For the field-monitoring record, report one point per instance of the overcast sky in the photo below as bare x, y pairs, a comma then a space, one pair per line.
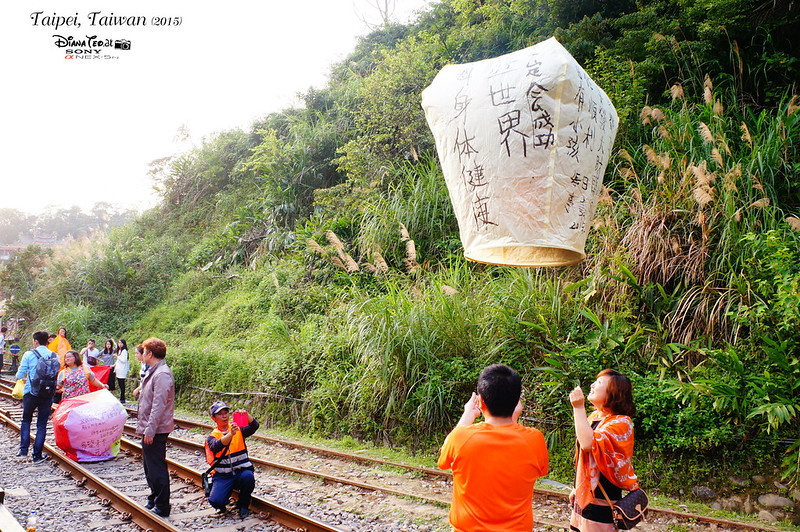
82, 129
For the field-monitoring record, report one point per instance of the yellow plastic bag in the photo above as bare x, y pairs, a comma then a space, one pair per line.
19, 389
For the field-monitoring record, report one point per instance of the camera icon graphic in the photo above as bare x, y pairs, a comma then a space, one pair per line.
122, 44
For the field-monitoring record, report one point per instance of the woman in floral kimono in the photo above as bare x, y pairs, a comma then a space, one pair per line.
603, 452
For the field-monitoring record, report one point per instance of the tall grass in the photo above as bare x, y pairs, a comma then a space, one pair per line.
707, 176
417, 200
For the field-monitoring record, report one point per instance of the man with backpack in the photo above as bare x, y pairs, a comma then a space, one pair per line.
39, 367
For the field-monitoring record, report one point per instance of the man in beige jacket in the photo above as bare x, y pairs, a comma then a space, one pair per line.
156, 407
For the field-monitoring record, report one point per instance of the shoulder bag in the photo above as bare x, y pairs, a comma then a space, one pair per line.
207, 478
629, 510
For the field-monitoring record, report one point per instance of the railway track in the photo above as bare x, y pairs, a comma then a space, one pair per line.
120, 485
425, 485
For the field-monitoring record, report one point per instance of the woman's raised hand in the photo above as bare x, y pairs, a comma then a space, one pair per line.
576, 397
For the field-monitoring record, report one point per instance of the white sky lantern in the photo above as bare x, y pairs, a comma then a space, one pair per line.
523, 140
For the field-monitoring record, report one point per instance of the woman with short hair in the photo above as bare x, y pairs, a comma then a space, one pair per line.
603, 452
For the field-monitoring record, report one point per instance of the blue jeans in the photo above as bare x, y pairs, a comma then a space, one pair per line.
223, 485
29, 404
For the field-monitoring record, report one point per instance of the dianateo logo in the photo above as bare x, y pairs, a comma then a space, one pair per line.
91, 47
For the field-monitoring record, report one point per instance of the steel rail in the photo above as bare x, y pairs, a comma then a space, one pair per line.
191, 446
129, 508
189, 424
673, 513
269, 510
132, 510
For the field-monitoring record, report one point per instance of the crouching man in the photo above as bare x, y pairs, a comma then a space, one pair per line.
225, 446
495, 463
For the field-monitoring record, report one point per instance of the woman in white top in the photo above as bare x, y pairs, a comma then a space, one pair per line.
122, 366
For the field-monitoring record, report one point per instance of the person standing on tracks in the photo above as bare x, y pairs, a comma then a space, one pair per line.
155, 422
3, 331
121, 367
138, 352
74, 379
61, 345
234, 469
38, 394
495, 463
108, 357
90, 353
604, 451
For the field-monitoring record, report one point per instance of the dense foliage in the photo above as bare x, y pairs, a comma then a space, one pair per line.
316, 256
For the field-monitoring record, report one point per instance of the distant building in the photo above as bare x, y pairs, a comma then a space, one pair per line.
46, 241
6, 252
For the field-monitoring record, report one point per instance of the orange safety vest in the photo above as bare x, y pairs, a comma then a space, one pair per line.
237, 445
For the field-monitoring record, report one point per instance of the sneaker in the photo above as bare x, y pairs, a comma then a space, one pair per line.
244, 512
22, 454
221, 511
159, 512
149, 505
41, 458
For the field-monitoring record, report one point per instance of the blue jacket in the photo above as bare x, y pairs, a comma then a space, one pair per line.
27, 366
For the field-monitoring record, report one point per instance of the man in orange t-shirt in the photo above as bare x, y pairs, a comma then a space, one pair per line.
495, 463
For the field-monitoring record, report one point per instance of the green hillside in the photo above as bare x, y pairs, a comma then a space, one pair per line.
279, 261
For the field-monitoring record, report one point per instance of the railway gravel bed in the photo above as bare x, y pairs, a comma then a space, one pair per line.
73, 509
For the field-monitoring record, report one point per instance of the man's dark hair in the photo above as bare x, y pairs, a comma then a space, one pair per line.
500, 387
41, 337
3, 330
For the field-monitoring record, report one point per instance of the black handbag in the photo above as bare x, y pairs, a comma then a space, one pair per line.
629, 510
207, 480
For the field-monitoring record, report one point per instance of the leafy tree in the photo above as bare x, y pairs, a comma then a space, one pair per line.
12, 224
20, 280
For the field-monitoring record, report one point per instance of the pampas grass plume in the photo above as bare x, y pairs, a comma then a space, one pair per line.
404, 233
314, 246
380, 263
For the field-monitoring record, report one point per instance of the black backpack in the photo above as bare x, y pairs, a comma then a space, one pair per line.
43, 380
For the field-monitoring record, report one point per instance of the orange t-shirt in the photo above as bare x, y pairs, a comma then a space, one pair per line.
494, 470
